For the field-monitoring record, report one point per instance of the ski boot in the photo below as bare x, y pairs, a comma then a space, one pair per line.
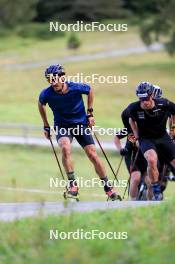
112, 195
157, 194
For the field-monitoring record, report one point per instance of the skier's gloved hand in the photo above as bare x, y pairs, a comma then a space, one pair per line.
123, 151
47, 132
131, 138
91, 120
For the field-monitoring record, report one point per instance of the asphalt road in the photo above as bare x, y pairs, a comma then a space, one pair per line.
15, 211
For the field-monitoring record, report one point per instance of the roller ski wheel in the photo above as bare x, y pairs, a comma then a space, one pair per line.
142, 193
158, 197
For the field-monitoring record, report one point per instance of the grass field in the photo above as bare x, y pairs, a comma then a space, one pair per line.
19, 95
15, 49
20, 88
25, 167
150, 238
150, 229
31, 167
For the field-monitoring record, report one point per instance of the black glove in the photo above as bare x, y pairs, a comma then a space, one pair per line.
47, 129
123, 151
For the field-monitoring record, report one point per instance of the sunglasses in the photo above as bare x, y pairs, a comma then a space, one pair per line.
51, 75
144, 99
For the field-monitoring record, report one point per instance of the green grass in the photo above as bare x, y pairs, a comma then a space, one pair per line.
15, 49
32, 167
150, 230
20, 90
19, 94
150, 238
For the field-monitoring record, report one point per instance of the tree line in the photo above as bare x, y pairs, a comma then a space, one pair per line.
155, 17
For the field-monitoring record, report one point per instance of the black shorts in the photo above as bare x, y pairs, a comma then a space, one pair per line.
140, 164
164, 147
82, 133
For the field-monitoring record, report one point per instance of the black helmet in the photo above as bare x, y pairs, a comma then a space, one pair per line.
144, 90
157, 93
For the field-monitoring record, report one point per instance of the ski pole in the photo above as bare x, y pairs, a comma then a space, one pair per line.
56, 157
120, 163
59, 166
117, 172
110, 166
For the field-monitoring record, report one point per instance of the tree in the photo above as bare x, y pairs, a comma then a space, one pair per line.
91, 10
158, 24
141, 8
15, 12
73, 41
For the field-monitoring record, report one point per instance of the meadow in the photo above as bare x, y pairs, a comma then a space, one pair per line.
149, 238
31, 167
27, 167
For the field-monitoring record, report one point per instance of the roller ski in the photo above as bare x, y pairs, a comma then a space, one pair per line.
71, 193
112, 195
157, 194
142, 192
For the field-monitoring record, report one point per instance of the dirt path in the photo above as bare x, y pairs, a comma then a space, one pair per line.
85, 57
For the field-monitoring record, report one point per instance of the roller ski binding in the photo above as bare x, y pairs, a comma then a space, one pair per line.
71, 193
113, 196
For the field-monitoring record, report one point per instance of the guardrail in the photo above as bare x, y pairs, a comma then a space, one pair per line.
25, 134
21, 129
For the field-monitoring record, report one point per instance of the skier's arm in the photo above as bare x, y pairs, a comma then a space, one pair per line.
42, 110
172, 126
90, 101
134, 128
171, 109
90, 98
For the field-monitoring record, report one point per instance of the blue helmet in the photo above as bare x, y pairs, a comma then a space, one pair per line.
144, 90
54, 69
157, 93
